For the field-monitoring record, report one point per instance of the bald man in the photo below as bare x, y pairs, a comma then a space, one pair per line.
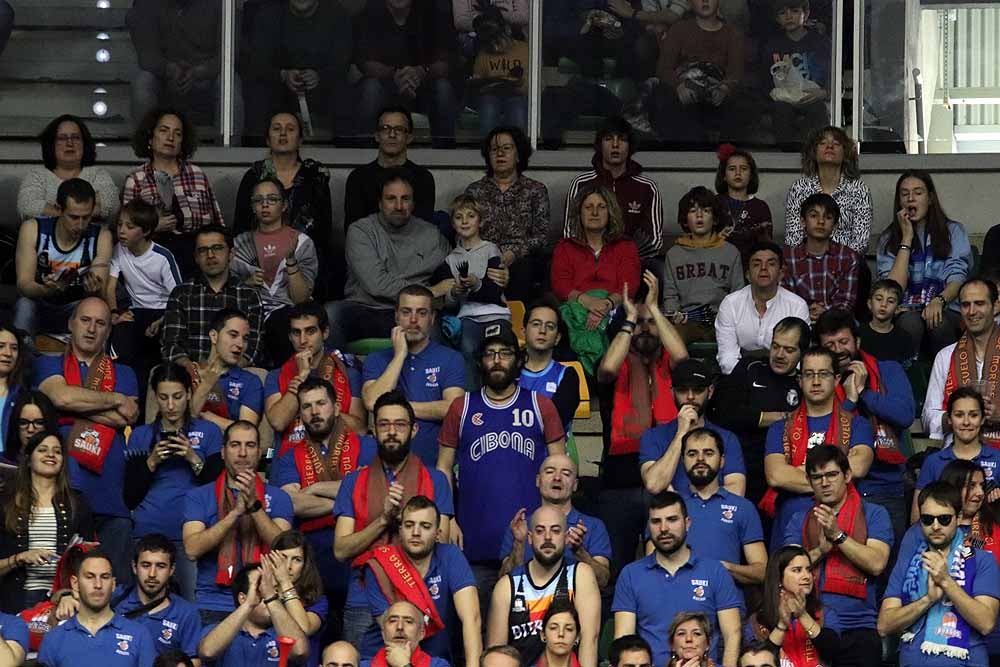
96, 398
340, 654
402, 630
516, 619
586, 536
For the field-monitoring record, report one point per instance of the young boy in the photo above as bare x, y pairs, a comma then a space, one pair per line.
150, 273
796, 113
479, 299
880, 337
701, 269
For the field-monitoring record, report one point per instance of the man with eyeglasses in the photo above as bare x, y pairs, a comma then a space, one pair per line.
499, 437
194, 303
848, 541
362, 192
368, 508
820, 419
942, 596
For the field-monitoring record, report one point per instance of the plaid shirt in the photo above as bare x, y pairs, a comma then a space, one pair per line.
830, 279
190, 310
193, 195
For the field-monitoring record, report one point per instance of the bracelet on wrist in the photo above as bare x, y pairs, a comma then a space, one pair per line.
269, 600
903, 246
781, 629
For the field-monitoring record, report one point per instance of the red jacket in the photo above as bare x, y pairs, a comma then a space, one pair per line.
574, 267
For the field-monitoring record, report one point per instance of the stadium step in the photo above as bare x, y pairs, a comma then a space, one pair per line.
25, 108
75, 55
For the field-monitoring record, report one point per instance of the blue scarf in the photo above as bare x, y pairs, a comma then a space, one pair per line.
945, 631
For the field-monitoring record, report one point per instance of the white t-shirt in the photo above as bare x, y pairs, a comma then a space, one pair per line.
149, 278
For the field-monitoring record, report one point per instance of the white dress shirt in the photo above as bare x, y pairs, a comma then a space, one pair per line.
933, 412
739, 326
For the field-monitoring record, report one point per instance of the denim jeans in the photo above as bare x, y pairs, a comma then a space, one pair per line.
495, 110
148, 91
357, 622
39, 316
435, 97
624, 513
115, 536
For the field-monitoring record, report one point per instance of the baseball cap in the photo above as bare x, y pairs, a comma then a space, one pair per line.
694, 374
499, 333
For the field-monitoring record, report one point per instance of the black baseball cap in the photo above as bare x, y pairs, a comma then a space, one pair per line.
499, 333
694, 374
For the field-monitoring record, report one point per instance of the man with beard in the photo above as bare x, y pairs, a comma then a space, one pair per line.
429, 374
848, 541
881, 392
723, 524
673, 578
760, 392
953, 365
635, 395
96, 635
819, 419
941, 581
403, 626
223, 391
519, 604
660, 453
171, 621
367, 509
229, 522
586, 535
312, 470
499, 435
444, 590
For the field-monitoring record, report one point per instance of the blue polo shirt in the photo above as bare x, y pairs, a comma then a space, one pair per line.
344, 506
934, 464
790, 503
987, 582
104, 492
120, 643
160, 510
248, 651
176, 627
321, 607
722, 524
655, 596
596, 541
424, 378
843, 612
449, 572
201, 505
14, 629
655, 441
241, 387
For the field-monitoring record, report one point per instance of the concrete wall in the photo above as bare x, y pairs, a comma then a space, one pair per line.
967, 183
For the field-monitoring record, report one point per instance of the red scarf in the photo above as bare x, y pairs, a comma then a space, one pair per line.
642, 400
978, 539
961, 373
418, 659
886, 439
399, 580
331, 369
215, 401
795, 441
842, 577
89, 442
370, 491
341, 459
796, 648
241, 545
573, 660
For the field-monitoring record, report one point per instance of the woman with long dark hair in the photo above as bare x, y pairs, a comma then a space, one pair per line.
39, 517
31, 412
980, 514
300, 586
930, 256
791, 615
11, 383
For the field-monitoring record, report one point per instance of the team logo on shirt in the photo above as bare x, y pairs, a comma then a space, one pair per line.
272, 651
123, 643
728, 512
194, 437
434, 590
698, 593
166, 634
432, 376
267, 502
988, 467
234, 389
551, 387
477, 419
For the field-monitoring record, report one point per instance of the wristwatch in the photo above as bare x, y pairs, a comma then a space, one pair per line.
256, 507
839, 539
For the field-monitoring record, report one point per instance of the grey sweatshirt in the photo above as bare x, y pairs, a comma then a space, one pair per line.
383, 259
700, 276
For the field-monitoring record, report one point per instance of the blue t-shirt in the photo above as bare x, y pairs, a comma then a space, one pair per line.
987, 582
176, 627
248, 651
239, 388
120, 643
790, 503
935, 462
104, 492
655, 596
843, 612
160, 510
344, 506
448, 573
424, 378
596, 541
321, 607
656, 440
14, 629
201, 505
722, 525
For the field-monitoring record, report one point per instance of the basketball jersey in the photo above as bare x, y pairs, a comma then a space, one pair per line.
500, 450
64, 264
545, 381
528, 605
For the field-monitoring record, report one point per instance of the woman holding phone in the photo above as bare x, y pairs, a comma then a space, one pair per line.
165, 459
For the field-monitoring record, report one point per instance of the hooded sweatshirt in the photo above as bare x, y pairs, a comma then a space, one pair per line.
700, 274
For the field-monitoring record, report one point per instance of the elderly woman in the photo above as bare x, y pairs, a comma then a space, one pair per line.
515, 210
68, 151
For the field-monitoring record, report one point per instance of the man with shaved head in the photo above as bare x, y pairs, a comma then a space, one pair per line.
586, 536
402, 629
518, 606
340, 654
96, 399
